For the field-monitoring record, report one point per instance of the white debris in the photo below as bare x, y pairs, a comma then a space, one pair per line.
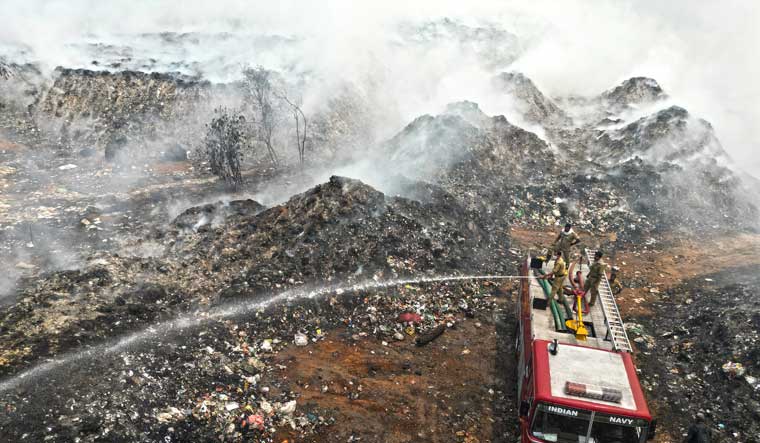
266, 407
301, 339
288, 408
67, 167
170, 414
24, 265
734, 369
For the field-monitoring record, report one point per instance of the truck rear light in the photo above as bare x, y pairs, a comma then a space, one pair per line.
594, 392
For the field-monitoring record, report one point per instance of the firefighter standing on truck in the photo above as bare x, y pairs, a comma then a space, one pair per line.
594, 277
557, 276
566, 239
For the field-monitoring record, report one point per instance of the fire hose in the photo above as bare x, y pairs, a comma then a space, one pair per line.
559, 319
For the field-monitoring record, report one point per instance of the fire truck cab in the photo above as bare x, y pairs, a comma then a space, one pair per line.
572, 387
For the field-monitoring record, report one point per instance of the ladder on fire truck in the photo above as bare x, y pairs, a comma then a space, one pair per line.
615, 327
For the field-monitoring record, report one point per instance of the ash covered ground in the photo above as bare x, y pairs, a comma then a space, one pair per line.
144, 299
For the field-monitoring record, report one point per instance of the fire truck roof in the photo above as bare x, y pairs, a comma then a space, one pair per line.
611, 373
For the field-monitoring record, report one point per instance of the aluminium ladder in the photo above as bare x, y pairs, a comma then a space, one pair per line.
615, 327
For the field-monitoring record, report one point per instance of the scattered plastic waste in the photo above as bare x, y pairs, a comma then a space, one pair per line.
301, 339
733, 369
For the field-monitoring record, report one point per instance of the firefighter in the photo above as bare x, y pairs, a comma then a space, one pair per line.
594, 277
566, 239
557, 276
698, 431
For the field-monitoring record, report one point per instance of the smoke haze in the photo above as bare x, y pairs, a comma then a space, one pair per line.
703, 53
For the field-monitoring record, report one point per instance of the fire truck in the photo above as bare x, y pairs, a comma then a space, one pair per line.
576, 379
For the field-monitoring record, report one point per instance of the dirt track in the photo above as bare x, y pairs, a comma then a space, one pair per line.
460, 387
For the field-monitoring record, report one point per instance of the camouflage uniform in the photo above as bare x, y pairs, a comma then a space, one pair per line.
594, 277
559, 272
565, 242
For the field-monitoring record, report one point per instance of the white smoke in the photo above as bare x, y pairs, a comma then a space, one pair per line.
702, 52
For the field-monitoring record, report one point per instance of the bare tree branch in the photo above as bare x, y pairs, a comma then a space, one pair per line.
259, 86
300, 120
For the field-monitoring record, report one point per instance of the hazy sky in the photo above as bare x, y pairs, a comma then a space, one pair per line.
703, 53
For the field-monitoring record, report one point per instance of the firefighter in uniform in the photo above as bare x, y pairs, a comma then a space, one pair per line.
566, 239
594, 277
557, 276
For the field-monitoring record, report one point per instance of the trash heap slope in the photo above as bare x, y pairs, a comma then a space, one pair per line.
674, 168
465, 147
341, 231
89, 109
633, 92
663, 171
535, 107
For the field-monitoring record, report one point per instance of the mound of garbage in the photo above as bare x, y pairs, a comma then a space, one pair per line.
342, 230
685, 172
198, 328
664, 171
487, 44
463, 148
635, 91
534, 106
88, 109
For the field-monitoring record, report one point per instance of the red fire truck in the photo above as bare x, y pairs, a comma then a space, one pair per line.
577, 381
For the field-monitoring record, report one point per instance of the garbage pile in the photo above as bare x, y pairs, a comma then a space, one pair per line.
212, 214
638, 177
511, 176
341, 231
700, 353
490, 45
96, 109
463, 147
531, 102
633, 92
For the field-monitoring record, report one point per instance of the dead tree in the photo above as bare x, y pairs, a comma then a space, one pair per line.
259, 87
225, 141
300, 120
